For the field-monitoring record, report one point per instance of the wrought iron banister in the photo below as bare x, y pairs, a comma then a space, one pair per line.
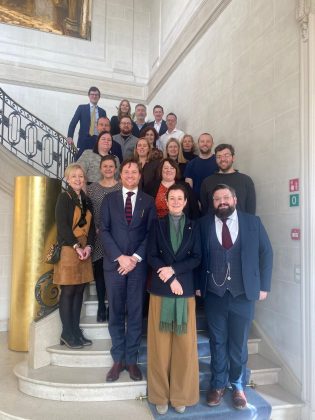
32, 140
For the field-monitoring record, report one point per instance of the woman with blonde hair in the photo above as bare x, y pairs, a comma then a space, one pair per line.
76, 233
188, 147
174, 152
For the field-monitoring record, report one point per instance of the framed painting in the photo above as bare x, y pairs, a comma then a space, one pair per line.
62, 17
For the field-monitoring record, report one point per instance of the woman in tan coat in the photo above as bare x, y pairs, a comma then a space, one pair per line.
75, 232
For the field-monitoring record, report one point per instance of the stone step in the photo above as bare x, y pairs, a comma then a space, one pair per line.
94, 330
97, 355
76, 384
90, 305
92, 289
262, 371
284, 405
203, 346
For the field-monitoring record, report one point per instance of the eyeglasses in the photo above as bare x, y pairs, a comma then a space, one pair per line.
224, 198
169, 168
225, 156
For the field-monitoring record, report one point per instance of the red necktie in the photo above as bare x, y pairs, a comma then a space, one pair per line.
226, 236
128, 207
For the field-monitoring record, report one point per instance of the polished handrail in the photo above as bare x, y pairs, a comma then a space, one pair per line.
32, 140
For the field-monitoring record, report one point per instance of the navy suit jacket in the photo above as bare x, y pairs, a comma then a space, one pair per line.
135, 130
163, 127
119, 238
183, 262
256, 254
83, 114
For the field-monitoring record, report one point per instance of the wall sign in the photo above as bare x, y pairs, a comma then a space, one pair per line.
294, 200
295, 234
294, 185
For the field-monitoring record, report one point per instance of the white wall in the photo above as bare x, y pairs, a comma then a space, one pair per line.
240, 82
118, 51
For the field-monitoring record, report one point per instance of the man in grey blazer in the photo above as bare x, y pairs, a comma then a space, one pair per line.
125, 221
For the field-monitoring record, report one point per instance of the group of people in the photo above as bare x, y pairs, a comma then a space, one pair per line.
147, 224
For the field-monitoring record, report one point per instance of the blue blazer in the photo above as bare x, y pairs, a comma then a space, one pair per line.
256, 254
83, 114
163, 128
183, 262
116, 235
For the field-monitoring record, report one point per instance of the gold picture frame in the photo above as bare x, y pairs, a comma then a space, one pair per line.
61, 17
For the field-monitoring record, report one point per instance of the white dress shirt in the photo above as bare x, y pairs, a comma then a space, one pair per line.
96, 117
176, 134
133, 197
232, 224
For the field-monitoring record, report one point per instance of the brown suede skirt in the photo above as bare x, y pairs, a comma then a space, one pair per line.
70, 269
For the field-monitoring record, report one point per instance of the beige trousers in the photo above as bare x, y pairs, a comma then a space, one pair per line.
173, 370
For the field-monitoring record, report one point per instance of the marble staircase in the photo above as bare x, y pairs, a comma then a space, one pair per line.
79, 375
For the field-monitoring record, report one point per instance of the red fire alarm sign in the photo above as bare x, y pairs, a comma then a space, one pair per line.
295, 234
294, 184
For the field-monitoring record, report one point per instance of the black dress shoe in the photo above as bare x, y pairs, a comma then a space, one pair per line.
114, 372
70, 341
83, 340
134, 372
101, 316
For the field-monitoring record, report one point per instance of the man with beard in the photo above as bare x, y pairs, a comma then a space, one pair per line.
202, 166
243, 184
125, 138
235, 271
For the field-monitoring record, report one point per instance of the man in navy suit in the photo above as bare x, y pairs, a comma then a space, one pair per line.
159, 124
235, 272
88, 116
126, 217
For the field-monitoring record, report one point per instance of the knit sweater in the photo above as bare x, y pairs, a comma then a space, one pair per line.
243, 185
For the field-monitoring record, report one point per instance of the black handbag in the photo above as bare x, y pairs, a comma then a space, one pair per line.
53, 254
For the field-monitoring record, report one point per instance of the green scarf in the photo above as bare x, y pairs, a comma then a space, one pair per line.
173, 316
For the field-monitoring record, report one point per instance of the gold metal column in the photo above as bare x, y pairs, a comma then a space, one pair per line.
33, 231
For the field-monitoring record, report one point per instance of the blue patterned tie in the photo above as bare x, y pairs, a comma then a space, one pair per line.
128, 207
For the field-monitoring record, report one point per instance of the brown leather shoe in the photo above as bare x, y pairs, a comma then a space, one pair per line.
239, 400
134, 372
114, 372
214, 396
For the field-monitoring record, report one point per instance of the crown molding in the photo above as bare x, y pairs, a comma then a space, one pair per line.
69, 82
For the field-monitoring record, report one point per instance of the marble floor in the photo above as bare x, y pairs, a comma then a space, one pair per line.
16, 405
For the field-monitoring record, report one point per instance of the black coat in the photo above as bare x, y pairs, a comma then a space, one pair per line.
161, 254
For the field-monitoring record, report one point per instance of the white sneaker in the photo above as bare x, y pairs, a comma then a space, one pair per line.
162, 409
180, 409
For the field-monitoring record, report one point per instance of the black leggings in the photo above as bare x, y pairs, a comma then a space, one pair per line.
70, 304
100, 284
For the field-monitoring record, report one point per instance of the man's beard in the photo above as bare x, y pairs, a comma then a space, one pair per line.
224, 212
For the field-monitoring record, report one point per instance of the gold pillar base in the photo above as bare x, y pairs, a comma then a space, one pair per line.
33, 231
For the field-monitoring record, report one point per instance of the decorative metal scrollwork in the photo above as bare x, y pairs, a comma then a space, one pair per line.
46, 294
32, 140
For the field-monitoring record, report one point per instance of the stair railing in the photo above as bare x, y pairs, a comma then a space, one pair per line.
32, 140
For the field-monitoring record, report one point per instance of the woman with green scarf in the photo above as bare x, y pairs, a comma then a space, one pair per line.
173, 252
